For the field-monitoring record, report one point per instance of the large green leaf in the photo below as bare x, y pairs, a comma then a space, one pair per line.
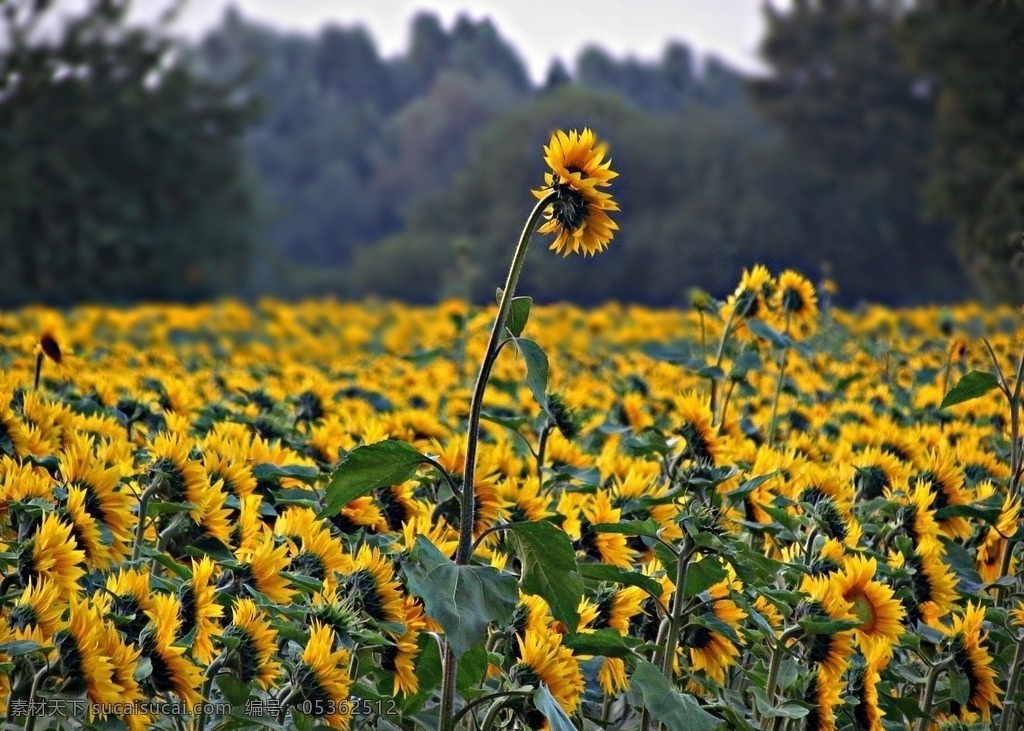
549, 568
703, 574
462, 599
518, 315
366, 468
677, 711
605, 642
606, 572
971, 386
536, 371
553, 712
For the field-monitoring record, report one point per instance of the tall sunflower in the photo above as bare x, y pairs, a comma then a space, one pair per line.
931, 582
973, 659
578, 216
879, 612
172, 671
199, 610
261, 570
373, 588
53, 554
253, 660
796, 302
830, 652
543, 659
321, 675
823, 694
37, 613
83, 666
713, 652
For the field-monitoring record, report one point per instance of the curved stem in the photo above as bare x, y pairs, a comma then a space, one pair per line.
456, 490
778, 387
718, 359
140, 529
211, 672
37, 679
286, 702
776, 662
1009, 700
490, 696
929, 693
542, 444
467, 510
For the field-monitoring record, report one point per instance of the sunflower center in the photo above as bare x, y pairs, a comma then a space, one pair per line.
871, 481
747, 304
865, 612
792, 300
22, 616
48, 344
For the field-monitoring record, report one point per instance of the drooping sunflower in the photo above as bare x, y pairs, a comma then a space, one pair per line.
973, 659
752, 297
53, 554
124, 657
830, 652
36, 615
578, 216
582, 513
319, 554
128, 595
823, 693
199, 610
253, 660
262, 567
946, 482
399, 658
873, 603
994, 543
932, 582
83, 666
693, 423
321, 675
712, 652
372, 586
543, 659
916, 515
172, 671
85, 529
867, 716
186, 480
877, 471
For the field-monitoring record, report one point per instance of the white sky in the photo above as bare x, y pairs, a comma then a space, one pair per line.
539, 29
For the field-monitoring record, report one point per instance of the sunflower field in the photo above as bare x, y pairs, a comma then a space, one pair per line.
763, 513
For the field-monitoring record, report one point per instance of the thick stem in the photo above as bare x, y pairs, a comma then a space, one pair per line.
1009, 700
776, 663
542, 444
39, 369
289, 696
140, 529
718, 360
676, 617
37, 679
467, 508
211, 673
929, 694
1015, 451
778, 387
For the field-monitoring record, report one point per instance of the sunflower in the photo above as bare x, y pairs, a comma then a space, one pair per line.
83, 666
185, 480
125, 660
994, 543
199, 611
321, 675
867, 716
399, 658
823, 695
830, 652
796, 301
712, 652
752, 297
52, 553
37, 613
578, 215
320, 555
946, 482
253, 659
129, 597
543, 659
85, 529
916, 515
880, 614
362, 512
261, 570
372, 586
877, 471
582, 513
972, 659
172, 671
693, 423
932, 584
397, 504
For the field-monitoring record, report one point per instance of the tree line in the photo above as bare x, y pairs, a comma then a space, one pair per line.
882, 150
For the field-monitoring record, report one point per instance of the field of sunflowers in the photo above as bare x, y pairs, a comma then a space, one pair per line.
763, 513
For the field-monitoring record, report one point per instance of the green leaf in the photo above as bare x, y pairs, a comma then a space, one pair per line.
462, 599
207, 546
606, 572
971, 386
959, 686
472, 667
766, 332
158, 507
236, 693
518, 315
630, 528
15, 648
536, 371
677, 711
270, 471
549, 568
703, 574
167, 562
366, 468
816, 626
605, 642
553, 712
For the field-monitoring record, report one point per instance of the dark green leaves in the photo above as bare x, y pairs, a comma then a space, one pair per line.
971, 386
677, 711
536, 370
549, 568
553, 712
462, 599
518, 314
366, 468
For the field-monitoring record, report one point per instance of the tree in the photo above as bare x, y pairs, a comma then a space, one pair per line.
860, 121
972, 52
121, 170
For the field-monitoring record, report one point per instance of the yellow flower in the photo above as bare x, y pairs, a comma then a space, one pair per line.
199, 610
83, 666
879, 612
796, 302
53, 554
253, 660
578, 216
973, 659
172, 671
543, 659
321, 675
37, 613
823, 693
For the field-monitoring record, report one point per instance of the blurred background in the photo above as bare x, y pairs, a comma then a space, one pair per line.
183, 151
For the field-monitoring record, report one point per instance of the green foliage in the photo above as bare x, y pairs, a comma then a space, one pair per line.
549, 568
121, 169
971, 386
366, 468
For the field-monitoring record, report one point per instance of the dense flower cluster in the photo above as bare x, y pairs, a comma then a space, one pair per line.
168, 533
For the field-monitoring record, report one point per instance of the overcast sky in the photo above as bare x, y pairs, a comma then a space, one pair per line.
540, 29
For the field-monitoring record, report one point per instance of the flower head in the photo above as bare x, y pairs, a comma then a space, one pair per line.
578, 215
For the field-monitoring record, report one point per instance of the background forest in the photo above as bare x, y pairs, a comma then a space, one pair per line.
883, 150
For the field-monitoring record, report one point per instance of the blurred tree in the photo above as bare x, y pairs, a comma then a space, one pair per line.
860, 122
972, 52
121, 170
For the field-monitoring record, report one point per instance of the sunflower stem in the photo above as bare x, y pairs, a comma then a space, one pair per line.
140, 529
37, 680
211, 673
1004, 569
776, 663
39, 370
467, 513
678, 601
287, 701
929, 693
1010, 699
542, 444
778, 387
718, 359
